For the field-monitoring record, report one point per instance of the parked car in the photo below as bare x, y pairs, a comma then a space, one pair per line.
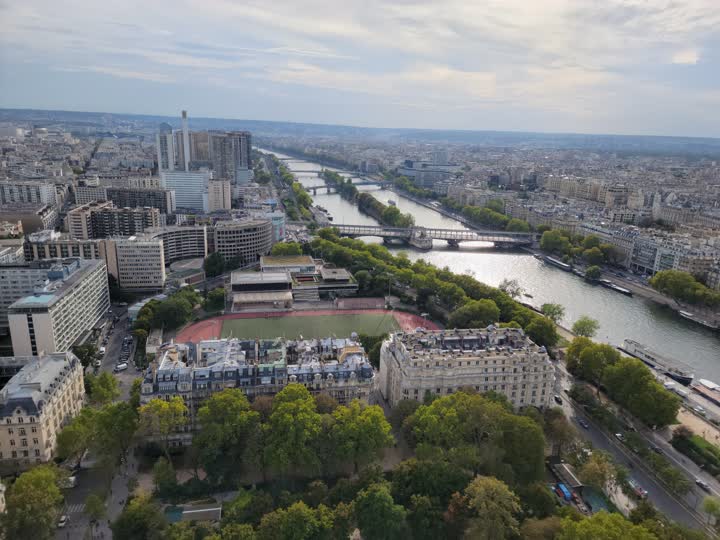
557, 399
102, 350
97, 363
583, 423
699, 410
63, 521
69, 482
120, 367
656, 449
620, 437
703, 484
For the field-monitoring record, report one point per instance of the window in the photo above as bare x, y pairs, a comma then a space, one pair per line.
24, 442
14, 454
12, 442
37, 452
35, 441
11, 431
22, 432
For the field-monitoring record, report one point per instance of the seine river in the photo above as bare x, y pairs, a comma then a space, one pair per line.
620, 316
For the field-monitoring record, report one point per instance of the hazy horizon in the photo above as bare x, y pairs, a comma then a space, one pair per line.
623, 67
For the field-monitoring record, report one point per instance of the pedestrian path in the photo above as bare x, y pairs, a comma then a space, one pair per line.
74, 508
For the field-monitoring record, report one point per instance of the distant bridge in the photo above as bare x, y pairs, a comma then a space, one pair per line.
330, 188
422, 237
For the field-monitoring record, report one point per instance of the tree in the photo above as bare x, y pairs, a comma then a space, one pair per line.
593, 273
511, 287
86, 353
541, 529
603, 526
542, 331
76, 437
325, 403
593, 256
517, 225
594, 359
104, 388
585, 326
141, 519
425, 518
33, 503
493, 509
95, 507
172, 313
286, 249
597, 471
228, 436
537, 500
572, 354
292, 430
114, 430
474, 314
711, 506
558, 429
160, 419
135, 390
164, 477
590, 242
643, 511
554, 241
378, 517
297, 522
214, 264
554, 312
215, 300
237, 531
360, 432
436, 479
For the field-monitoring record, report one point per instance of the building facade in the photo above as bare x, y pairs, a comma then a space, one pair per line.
138, 263
15, 191
441, 362
219, 195
162, 199
57, 316
247, 239
35, 404
103, 220
165, 143
190, 187
230, 154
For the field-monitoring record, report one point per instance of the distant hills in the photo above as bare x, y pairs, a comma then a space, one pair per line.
625, 144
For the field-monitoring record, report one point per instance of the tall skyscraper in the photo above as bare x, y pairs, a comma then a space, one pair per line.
185, 141
165, 142
230, 155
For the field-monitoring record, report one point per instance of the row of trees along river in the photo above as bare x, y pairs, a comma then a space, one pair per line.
620, 317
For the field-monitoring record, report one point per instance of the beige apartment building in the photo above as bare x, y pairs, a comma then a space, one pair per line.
441, 362
35, 404
219, 195
138, 263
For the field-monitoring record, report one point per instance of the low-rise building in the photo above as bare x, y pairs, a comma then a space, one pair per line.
42, 397
260, 290
503, 360
55, 317
337, 367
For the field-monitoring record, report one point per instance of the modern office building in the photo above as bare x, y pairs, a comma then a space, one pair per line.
219, 195
103, 220
190, 187
338, 367
54, 318
87, 194
247, 239
230, 154
45, 394
503, 360
137, 262
165, 142
199, 146
27, 192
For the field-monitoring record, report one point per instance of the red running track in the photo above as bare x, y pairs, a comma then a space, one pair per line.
212, 328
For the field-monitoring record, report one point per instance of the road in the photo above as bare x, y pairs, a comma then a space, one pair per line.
95, 480
667, 503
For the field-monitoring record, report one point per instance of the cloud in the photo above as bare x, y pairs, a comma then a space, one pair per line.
116, 72
686, 56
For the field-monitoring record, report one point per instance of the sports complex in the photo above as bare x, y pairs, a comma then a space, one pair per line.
308, 324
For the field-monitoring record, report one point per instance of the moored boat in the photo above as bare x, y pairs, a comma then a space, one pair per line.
672, 368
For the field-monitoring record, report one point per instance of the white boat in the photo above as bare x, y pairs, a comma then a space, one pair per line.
668, 367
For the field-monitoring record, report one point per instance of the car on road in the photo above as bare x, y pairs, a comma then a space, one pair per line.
620, 437
703, 484
557, 399
63, 521
97, 363
637, 489
120, 367
656, 449
699, 410
69, 482
583, 423
102, 350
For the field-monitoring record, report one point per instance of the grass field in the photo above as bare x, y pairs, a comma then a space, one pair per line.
310, 326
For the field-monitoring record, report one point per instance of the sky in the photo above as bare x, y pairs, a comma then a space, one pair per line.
585, 66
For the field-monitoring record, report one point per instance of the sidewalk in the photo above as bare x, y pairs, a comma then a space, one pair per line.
117, 497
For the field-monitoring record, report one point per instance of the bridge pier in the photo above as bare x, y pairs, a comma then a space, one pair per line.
454, 244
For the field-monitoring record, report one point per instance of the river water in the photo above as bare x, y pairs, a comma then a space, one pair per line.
620, 316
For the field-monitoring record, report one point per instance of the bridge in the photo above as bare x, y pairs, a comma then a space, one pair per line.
422, 237
331, 188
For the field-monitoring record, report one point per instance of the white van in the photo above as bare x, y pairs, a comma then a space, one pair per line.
120, 367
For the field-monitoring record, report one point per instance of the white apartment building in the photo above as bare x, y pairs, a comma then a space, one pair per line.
54, 318
191, 188
219, 195
138, 263
26, 192
441, 362
42, 397
16, 281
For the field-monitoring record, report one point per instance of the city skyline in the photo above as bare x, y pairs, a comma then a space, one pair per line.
568, 67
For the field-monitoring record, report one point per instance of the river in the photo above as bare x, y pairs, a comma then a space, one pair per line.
619, 316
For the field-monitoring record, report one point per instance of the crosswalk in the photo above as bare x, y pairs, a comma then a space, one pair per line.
74, 508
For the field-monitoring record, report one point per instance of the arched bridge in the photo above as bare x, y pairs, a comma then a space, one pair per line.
422, 237
331, 188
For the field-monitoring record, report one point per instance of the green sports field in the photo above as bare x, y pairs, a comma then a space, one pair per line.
310, 326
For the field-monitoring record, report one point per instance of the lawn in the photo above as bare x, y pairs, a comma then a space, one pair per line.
310, 326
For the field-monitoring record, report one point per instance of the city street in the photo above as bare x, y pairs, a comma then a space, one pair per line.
667, 503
